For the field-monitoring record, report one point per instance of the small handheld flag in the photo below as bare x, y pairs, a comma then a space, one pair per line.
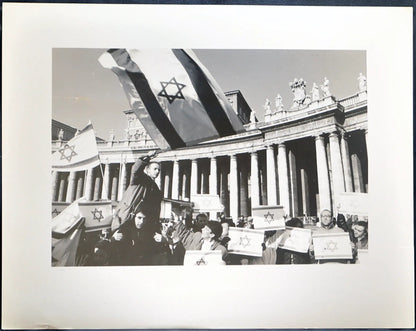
245, 241
332, 246
79, 153
173, 95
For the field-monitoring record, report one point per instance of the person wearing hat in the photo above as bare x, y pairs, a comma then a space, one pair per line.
208, 239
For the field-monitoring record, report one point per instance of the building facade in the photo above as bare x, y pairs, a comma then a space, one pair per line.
301, 159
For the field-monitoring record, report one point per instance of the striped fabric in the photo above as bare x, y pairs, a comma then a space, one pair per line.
173, 95
245, 241
79, 153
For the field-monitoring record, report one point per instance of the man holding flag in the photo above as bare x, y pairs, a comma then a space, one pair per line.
142, 193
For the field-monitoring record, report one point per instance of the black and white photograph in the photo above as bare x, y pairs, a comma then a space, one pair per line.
207, 166
178, 165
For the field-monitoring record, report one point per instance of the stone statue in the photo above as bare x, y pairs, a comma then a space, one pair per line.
61, 134
267, 107
315, 92
298, 87
325, 88
279, 103
362, 82
112, 136
253, 117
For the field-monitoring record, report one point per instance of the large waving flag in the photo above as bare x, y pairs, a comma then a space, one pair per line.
79, 153
64, 249
183, 105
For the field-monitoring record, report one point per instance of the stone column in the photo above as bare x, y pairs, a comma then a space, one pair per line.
80, 186
89, 183
271, 176
213, 176
357, 173
244, 191
254, 179
158, 179
55, 184
122, 181
366, 138
194, 177
97, 188
175, 180
337, 172
70, 193
224, 189
346, 163
305, 192
114, 184
183, 186
293, 184
233, 188
61, 194
166, 190
283, 178
106, 182
323, 176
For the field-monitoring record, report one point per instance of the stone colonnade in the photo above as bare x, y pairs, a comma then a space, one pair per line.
272, 175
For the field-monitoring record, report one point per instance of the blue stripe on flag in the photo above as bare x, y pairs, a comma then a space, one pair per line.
205, 93
152, 105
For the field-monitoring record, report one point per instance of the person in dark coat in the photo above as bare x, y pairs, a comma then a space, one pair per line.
142, 193
133, 242
284, 256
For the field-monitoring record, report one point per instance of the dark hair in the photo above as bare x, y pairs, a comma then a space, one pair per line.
216, 228
295, 222
362, 223
228, 220
200, 221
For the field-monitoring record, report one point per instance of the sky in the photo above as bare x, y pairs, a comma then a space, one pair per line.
83, 90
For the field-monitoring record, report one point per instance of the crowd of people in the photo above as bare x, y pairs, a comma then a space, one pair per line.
138, 237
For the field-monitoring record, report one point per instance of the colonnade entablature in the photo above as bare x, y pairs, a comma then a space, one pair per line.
302, 162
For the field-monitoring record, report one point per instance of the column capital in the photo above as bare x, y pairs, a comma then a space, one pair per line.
319, 137
334, 134
282, 145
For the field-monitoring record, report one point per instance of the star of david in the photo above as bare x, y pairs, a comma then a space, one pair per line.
65, 150
331, 246
268, 217
244, 241
201, 261
97, 214
172, 90
55, 212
